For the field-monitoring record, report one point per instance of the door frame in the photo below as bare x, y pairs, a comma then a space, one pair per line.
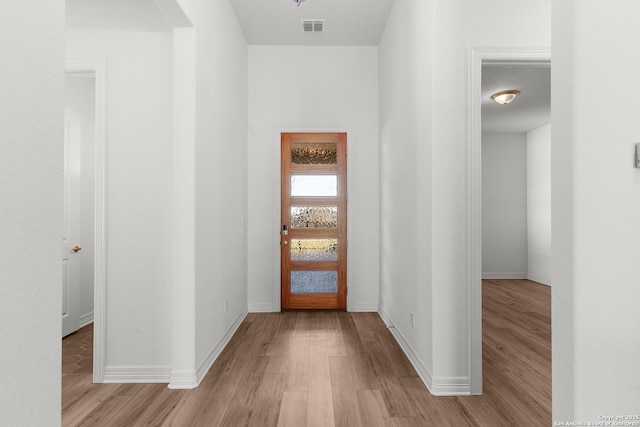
477, 57
98, 66
276, 160
340, 139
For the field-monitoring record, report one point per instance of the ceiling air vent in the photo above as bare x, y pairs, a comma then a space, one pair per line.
313, 25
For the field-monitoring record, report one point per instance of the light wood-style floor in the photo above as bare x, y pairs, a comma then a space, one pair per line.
335, 369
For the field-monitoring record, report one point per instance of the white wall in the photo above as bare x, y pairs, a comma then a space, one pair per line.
504, 205
406, 72
138, 199
461, 24
516, 205
149, 338
539, 204
221, 176
313, 89
80, 97
596, 207
434, 37
31, 153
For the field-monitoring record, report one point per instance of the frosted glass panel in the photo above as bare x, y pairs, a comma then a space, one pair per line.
314, 282
314, 185
314, 153
314, 249
314, 217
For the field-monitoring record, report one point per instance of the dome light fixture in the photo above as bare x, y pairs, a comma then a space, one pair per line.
505, 97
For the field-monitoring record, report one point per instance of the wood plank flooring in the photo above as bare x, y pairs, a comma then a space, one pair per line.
315, 368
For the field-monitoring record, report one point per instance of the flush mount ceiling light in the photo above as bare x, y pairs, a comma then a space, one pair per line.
297, 2
505, 97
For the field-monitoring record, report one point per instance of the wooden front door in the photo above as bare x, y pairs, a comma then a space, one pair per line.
313, 233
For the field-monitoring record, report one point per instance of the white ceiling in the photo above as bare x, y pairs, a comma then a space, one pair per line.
530, 110
361, 22
348, 23
278, 22
125, 15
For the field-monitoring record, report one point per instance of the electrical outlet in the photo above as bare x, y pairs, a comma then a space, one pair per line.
226, 306
413, 320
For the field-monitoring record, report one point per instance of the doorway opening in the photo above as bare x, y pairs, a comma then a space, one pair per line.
313, 234
78, 210
83, 246
479, 59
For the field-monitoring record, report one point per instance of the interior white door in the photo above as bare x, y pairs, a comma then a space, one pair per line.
71, 223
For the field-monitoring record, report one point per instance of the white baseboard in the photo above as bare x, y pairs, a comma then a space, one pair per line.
438, 386
86, 319
363, 308
517, 276
451, 386
189, 379
263, 307
513, 276
183, 380
424, 374
137, 374
539, 279
217, 349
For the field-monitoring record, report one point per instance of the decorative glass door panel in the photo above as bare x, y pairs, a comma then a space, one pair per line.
314, 217
314, 185
314, 220
314, 282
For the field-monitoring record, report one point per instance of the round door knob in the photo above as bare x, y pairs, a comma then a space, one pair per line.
284, 243
76, 249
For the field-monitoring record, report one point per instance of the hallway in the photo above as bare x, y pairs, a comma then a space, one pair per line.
335, 369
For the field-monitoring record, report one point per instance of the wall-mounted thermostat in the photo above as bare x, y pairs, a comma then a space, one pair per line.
638, 155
